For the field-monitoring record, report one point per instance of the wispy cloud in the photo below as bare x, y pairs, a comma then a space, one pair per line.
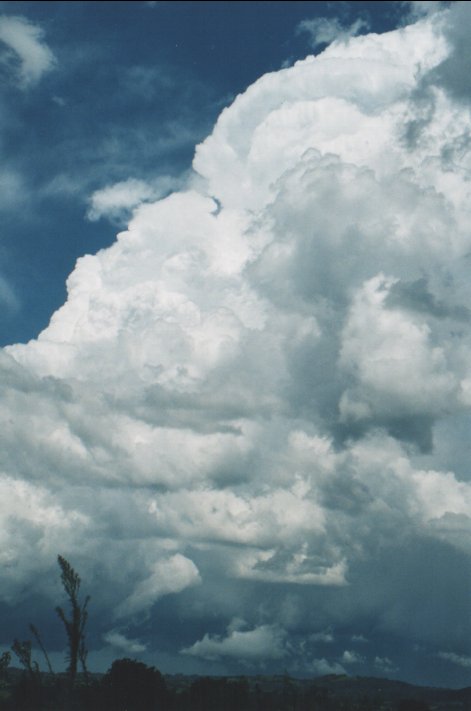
325, 30
26, 49
458, 659
417, 9
117, 201
385, 665
8, 298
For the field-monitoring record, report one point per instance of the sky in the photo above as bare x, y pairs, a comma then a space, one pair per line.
235, 323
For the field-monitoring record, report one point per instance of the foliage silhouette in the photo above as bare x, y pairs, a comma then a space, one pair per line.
132, 686
28, 693
5, 660
23, 652
75, 624
38, 639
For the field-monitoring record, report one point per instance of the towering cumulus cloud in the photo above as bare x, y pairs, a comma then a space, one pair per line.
251, 413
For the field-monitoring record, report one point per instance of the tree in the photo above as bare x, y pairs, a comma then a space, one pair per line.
76, 623
132, 686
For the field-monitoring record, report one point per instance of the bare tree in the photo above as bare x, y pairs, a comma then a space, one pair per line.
38, 639
75, 624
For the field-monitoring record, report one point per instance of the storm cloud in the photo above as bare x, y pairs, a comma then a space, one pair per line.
250, 416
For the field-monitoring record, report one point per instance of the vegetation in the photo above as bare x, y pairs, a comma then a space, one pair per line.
130, 685
37, 691
75, 624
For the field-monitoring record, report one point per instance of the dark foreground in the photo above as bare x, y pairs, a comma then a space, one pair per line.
132, 686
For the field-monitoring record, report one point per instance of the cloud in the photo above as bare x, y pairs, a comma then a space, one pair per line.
116, 202
351, 657
420, 8
392, 356
322, 667
25, 43
325, 636
324, 30
384, 665
12, 189
359, 638
8, 297
460, 660
120, 642
255, 404
167, 576
259, 644
451, 74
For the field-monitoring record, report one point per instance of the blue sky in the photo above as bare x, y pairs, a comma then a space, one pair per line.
131, 91
245, 419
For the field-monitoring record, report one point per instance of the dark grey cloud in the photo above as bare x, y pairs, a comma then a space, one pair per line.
416, 296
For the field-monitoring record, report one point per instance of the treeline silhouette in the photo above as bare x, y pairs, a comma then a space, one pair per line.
130, 685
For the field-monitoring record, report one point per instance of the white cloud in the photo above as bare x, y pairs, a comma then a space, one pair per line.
119, 199
120, 642
351, 657
269, 566
25, 40
324, 30
396, 366
116, 202
167, 576
458, 659
253, 388
323, 667
258, 644
33, 527
420, 8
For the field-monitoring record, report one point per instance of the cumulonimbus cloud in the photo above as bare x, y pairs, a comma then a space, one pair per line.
265, 380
